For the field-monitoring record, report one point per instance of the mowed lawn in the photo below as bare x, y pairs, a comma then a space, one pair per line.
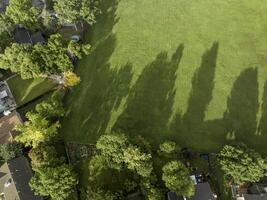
191, 71
25, 91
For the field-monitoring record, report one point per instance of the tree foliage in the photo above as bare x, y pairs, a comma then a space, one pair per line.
76, 11
21, 12
241, 164
36, 130
78, 50
177, 179
71, 79
112, 147
9, 151
40, 60
138, 161
169, 147
45, 157
150, 190
57, 182
97, 194
39, 128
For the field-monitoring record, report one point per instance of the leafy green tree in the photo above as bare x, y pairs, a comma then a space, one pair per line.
19, 59
40, 60
45, 156
150, 190
177, 179
77, 50
97, 194
71, 79
58, 182
50, 108
36, 130
241, 164
112, 148
138, 161
53, 56
22, 12
169, 147
10, 151
76, 11
96, 165
6, 24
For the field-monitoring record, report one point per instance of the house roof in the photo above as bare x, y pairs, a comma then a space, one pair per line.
7, 126
15, 175
173, 196
21, 174
202, 192
255, 196
3, 5
23, 36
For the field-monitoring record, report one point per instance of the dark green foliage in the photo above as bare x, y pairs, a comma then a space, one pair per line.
22, 12
40, 60
58, 182
10, 151
97, 194
177, 179
241, 164
76, 11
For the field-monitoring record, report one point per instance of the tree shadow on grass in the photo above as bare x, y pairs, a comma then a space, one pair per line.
262, 128
150, 101
189, 129
242, 107
101, 88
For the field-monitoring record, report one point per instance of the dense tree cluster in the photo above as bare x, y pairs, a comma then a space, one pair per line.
19, 12
242, 164
177, 179
76, 11
52, 177
134, 156
41, 60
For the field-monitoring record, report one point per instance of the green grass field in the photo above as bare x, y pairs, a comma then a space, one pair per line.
25, 91
191, 71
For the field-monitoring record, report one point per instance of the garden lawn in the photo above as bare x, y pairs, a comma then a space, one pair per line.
191, 71
25, 91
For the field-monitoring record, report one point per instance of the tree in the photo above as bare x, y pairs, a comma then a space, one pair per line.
77, 50
50, 108
112, 147
97, 194
10, 151
177, 179
96, 165
40, 60
36, 130
44, 157
71, 79
6, 24
22, 12
76, 11
57, 182
138, 161
241, 164
19, 59
169, 147
150, 190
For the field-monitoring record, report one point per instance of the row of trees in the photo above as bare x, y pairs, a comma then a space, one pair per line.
241, 164
135, 157
53, 59
52, 177
22, 12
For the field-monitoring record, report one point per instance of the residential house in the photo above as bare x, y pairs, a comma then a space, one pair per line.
15, 175
24, 36
255, 191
